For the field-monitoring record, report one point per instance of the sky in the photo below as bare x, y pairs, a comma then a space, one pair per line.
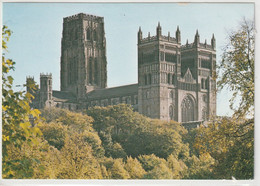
35, 44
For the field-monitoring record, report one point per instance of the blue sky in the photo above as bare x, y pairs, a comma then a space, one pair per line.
35, 44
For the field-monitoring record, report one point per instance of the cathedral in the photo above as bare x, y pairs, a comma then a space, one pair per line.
175, 82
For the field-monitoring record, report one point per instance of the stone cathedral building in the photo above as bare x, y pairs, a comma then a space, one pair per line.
175, 82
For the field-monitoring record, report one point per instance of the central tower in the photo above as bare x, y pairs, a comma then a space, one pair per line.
83, 54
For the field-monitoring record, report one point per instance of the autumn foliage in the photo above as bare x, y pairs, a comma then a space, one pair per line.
114, 142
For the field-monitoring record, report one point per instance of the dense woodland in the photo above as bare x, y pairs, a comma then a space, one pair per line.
115, 142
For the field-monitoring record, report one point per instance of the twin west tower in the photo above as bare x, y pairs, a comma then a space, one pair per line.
175, 82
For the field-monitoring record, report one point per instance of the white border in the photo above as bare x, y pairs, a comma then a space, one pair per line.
255, 182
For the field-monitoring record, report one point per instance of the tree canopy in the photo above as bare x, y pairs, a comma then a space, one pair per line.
114, 142
236, 69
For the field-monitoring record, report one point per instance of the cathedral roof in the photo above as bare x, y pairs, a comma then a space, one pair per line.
63, 96
113, 92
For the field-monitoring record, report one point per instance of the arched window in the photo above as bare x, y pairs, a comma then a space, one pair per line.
90, 71
171, 112
145, 79
96, 72
149, 79
95, 35
187, 109
169, 78
206, 84
202, 84
173, 79
88, 34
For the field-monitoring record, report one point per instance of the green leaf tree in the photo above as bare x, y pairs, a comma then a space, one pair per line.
118, 171
231, 143
19, 121
134, 168
77, 160
236, 68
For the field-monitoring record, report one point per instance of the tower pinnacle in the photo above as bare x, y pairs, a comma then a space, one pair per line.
158, 30
197, 38
213, 42
178, 35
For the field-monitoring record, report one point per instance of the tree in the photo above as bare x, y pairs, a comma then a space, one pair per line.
17, 128
150, 162
77, 160
54, 133
237, 67
137, 134
134, 168
155, 167
177, 167
199, 168
231, 143
63, 122
118, 171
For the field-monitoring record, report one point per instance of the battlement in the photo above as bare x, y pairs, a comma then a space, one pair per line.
47, 75
193, 45
155, 38
159, 36
83, 16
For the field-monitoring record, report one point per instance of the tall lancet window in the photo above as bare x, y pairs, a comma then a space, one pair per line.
88, 34
95, 35
187, 109
90, 71
96, 72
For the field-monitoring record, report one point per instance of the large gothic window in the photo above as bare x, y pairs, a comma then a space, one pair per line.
187, 109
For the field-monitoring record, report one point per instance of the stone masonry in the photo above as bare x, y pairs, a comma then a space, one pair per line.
175, 82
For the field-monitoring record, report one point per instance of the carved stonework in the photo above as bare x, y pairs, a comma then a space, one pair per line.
175, 82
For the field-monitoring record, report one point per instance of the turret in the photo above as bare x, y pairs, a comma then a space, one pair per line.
213, 42
178, 35
158, 30
30, 85
45, 87
140, 35
197, 39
